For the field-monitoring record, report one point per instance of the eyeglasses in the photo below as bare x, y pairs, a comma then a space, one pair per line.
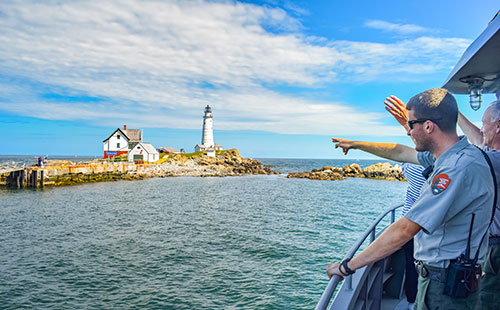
417, 121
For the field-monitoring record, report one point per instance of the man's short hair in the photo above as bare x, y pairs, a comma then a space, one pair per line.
437, 105
494, 110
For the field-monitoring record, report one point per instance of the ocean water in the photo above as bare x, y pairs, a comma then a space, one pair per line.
250, 242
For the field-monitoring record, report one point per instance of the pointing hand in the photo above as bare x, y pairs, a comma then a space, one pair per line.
345, 144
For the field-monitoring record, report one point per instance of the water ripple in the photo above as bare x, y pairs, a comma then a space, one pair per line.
255, 242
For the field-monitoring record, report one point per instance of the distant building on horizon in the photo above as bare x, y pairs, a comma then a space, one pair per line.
207, 139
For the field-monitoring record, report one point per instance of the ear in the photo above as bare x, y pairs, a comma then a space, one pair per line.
429, 127
497, 130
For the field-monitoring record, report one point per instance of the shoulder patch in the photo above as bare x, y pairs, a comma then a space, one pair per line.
440, 183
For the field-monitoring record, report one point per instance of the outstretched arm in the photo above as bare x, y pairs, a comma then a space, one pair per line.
470, 130
392, 151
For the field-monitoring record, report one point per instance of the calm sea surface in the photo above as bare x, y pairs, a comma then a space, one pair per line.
252, 242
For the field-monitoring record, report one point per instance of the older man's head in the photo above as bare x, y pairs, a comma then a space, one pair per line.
491, 126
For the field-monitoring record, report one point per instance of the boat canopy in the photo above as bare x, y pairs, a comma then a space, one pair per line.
480, 64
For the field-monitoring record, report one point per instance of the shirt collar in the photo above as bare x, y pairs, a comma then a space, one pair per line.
457, 147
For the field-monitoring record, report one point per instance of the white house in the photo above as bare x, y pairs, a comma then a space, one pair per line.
120, 141
143, 151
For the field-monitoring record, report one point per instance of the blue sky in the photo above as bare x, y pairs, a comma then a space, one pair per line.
282, 77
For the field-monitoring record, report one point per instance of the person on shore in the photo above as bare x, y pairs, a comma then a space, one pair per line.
457, 185
488, 138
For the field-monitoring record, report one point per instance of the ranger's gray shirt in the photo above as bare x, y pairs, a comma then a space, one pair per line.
460, 184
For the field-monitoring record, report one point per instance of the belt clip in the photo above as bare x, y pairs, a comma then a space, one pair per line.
424, 272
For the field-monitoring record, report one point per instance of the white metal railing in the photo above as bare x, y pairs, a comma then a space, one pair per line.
335, 280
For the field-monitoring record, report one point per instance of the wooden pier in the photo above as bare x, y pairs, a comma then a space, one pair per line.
25, 178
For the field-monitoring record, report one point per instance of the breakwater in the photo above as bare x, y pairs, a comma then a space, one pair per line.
25, 178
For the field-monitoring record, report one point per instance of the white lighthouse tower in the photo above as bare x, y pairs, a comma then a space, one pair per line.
207, 138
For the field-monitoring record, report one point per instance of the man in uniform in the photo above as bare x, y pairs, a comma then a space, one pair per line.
488, 138
457, 187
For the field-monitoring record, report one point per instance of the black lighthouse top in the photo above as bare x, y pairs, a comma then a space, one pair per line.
208, 109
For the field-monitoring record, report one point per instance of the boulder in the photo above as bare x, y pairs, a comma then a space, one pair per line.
353, 170
384, 171
317, 175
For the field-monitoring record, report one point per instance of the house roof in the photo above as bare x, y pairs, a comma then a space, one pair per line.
132, 135
148, 147
168, 149
118, 129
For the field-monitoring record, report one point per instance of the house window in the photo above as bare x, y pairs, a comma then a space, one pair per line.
118, 137
118, 145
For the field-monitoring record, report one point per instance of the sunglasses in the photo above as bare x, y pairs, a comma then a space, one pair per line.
417, 121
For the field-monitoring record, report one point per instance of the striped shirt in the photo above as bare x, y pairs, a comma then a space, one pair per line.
413, 174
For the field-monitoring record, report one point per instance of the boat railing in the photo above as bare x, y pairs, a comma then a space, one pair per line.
369, 233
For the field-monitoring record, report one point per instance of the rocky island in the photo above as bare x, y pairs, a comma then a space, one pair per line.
378, 171
60, 173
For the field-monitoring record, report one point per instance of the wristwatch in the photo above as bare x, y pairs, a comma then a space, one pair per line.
347, 270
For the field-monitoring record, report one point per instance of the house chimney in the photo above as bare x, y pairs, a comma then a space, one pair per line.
124, 127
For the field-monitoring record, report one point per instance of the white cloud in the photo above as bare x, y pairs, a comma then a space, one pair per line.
406, 58
158, 63
396, 28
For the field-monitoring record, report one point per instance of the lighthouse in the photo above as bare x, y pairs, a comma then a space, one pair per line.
207, 137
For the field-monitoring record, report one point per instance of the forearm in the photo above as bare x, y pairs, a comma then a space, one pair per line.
470, 130
392, 151
390, 241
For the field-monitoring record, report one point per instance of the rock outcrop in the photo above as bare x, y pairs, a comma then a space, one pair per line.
226, 163
383, 171
325, 173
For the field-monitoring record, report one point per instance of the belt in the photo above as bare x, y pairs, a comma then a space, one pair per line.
494, 240
433, 273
